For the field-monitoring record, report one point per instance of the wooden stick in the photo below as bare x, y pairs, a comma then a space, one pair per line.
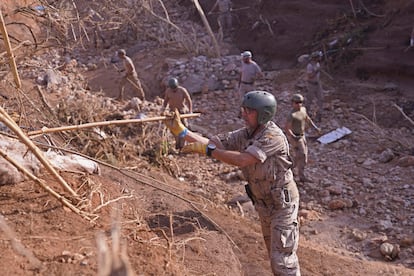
9, 51
353, 9
369, 12
366, 48
24, 43
207, 25
327, 74
8, 121
106, 123
42, 97
60, 198
402, 112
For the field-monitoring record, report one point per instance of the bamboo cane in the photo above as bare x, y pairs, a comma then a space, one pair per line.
402, 112
106, 123
8, 121
207, 25
353, 9
60, 198
9, 51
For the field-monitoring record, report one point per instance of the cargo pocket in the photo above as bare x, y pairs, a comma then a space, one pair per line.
289, 244
281, 197
288, 238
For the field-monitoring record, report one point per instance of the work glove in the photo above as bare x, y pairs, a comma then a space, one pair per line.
174, 124
196, 147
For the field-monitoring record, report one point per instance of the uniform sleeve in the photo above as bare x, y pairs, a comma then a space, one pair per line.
268, 145
234, 140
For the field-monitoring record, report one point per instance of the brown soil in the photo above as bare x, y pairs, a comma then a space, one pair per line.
176, 215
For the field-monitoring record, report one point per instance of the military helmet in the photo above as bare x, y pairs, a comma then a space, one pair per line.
263, 102
173, 83
297, 98
121, 52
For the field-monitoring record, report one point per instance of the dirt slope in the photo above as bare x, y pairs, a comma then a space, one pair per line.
176, 215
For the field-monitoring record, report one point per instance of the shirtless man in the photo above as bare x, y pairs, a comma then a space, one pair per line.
177, 97
129, 76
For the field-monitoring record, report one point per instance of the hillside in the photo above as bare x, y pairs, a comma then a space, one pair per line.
185, 214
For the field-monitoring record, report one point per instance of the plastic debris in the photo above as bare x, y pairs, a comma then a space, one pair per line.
334, 135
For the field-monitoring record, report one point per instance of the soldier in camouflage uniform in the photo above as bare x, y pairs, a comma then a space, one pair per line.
261, 150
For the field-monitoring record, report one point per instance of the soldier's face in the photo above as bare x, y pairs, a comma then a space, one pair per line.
249, 116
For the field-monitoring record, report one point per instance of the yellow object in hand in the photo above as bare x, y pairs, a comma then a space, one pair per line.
174, 124
196, 147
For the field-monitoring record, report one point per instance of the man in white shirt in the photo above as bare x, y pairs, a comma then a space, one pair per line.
249, 72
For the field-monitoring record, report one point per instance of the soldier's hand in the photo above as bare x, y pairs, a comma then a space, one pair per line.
319, 130
174, 124
196, 147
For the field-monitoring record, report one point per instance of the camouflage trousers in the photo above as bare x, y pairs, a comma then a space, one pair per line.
280, 228
299, 149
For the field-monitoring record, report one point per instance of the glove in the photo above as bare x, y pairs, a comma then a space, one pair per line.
174, 124
196, 147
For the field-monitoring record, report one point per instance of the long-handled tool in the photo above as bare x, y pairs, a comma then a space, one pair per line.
107, 123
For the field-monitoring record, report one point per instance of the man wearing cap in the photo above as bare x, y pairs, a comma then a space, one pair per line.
130, 76
295, 127
313, 84
249, 72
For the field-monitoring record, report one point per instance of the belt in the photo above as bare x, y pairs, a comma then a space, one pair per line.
245, 82
313, 82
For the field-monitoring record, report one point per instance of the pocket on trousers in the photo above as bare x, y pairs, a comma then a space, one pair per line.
281, 197
288, 239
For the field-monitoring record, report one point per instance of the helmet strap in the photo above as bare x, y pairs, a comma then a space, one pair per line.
251, 135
